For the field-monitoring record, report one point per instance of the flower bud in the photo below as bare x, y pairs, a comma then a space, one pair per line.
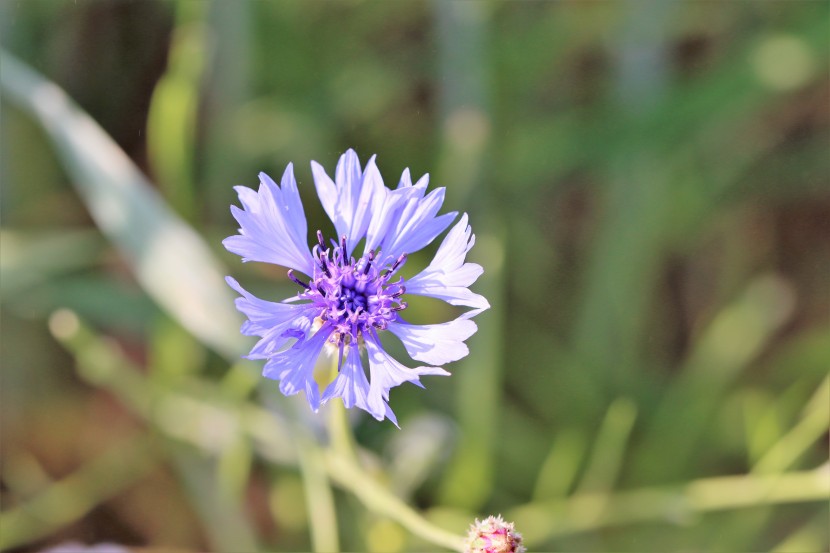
493, 535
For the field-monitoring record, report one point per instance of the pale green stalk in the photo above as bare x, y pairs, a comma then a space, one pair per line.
462, 30
344, 468
322, 513
380, 500
340, 432
793, 444
543, 521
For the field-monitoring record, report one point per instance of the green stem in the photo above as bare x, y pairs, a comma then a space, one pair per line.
345, 469
380, 500
322, 514
340, 432
793, 444
547, 520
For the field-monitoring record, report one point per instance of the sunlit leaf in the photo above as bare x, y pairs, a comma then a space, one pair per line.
170, 260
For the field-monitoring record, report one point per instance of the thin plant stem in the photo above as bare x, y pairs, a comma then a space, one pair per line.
543, 521
380, 500
322, 513
340, 432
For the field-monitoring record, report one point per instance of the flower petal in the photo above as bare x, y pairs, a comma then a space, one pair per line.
347, 200
447, 277
275, 323
371, 186
351, 384
436, 344
352, 387
348, 177
416, 225
294, 367
420, 186
272, 225
386, 373
386, 208
326, 190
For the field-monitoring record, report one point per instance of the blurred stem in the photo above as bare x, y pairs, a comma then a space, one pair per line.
560, 468
607, 455
810, 428
171, 125
322, 514
102, 364
72, 497
341, 463
546, 520
734, 337
226, 83
609, 449
380, 500
223, 518
340, 432
463, 31
812, 536
622, 271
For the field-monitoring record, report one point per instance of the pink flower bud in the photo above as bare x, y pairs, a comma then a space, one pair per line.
493, 535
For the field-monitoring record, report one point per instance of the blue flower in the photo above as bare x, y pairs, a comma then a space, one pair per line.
344, 303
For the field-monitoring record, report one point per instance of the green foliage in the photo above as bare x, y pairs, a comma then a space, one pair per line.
650, 189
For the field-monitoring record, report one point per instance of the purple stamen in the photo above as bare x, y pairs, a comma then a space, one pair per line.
355, 294
395, 266
369, 258
297, 280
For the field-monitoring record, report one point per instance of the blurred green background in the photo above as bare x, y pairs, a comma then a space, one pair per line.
649, 183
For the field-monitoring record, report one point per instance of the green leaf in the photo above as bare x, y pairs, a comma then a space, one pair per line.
170, 261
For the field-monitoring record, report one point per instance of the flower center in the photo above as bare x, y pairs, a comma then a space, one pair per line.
353, 296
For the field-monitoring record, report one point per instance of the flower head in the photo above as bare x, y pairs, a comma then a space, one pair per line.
493, 535
346, 299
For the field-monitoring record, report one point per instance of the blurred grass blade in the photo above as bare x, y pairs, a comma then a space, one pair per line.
30, 258
623, 268
171, 121
811, 536
417, 451
609, 449
675, 505
169, 259
224, 520
319, 498
204, 420
463, 29
731, 341
811, 427
74, 496
560, 468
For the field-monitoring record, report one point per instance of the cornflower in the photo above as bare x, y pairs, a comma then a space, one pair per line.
345, 302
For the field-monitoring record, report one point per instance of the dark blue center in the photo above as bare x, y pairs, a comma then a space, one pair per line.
351, 299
